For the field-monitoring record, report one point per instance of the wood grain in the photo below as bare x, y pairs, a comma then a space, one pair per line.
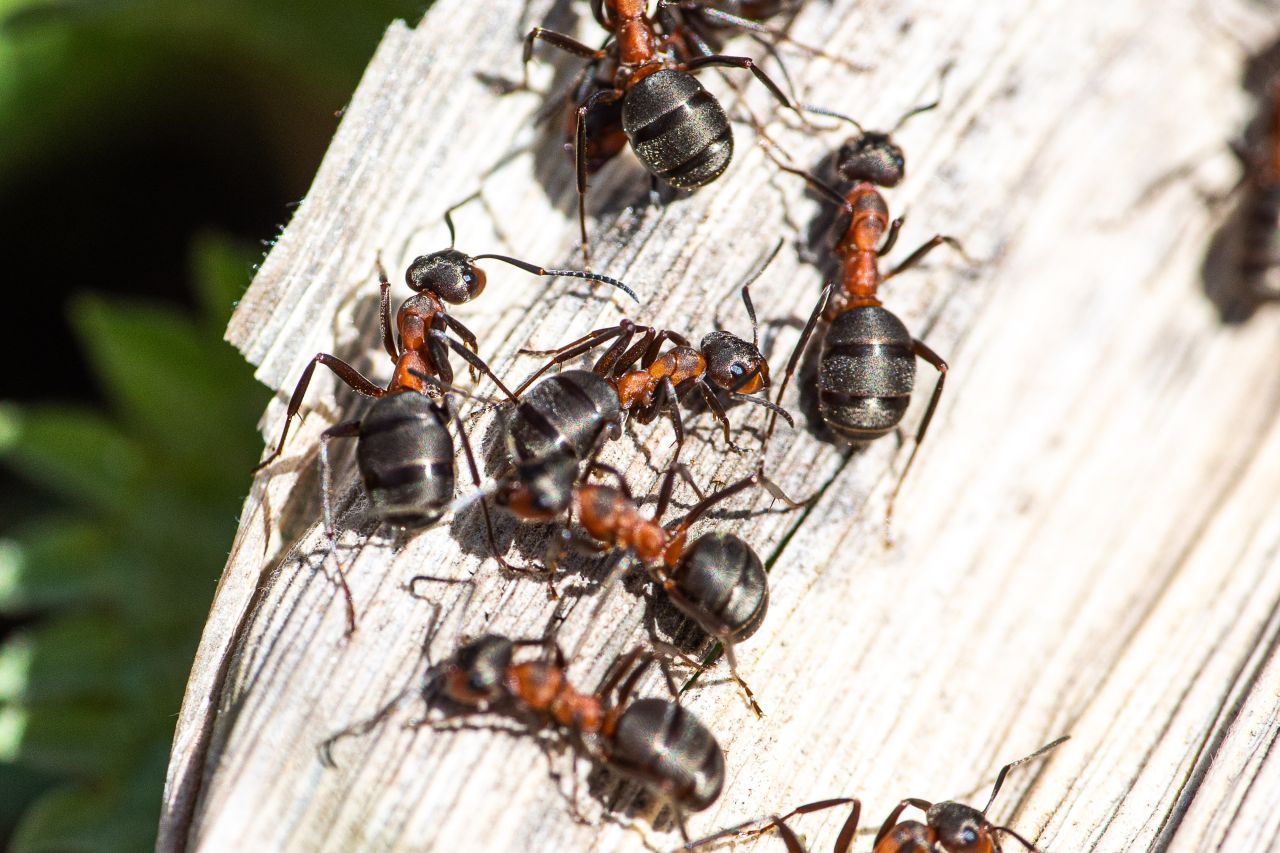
1088, 543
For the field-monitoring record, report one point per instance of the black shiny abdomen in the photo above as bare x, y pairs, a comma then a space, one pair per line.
722, 576
866, 374
405, 455
662, 745
563, 413
677, 129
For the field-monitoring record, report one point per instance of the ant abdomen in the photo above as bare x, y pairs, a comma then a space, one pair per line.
677, 129
723, 579
564, 412
405, 456
867, 372
663, 745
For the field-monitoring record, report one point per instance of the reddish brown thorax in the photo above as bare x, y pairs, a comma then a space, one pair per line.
858, 249
637, 41
612, 519
680, 364
413, 321
910, 836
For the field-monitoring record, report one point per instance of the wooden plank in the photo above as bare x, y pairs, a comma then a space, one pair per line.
1088, 543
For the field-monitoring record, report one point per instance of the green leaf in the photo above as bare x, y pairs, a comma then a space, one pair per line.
177, 389
222, 271
74, 819
15, 671
72, 452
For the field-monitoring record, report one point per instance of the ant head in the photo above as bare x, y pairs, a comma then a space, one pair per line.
961, 828
873, 156
475, 675
538, 489
733, 364
448, 274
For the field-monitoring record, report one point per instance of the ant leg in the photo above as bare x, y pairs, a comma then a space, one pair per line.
467, 337
668, 399
632, 665
475, 480
933, 242
344, 371
472, 359
711, 500
655, 345
718, 412
892, 820
572, 350
922, 351
384, 310
730, 19
891, 239
687, 475
347, 429
750, 65
665, 490
602, 97
557, 40
618, 357
794, 360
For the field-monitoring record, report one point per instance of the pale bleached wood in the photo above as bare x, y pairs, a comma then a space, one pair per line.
1088, 543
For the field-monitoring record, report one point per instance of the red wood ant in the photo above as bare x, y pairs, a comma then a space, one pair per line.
676, 128
949, 827
423, 322
866, 371
655, 742
647, 380
717, 579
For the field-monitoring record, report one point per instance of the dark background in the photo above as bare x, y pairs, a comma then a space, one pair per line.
149, 151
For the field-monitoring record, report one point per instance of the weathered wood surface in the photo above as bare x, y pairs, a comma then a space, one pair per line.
1090, 541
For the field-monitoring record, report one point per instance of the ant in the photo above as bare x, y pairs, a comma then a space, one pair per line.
677, 129
866, 371
422, 322
949, 827
717, 580
721, 361
653, 741
690, 29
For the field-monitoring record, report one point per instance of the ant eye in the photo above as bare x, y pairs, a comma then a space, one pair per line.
969, 836
738, 369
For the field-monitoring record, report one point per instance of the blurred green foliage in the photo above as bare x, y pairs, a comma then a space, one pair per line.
109, 561
74, 67
118, 578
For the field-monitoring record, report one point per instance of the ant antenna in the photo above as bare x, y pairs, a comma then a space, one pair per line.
911, 113
537, 270
924, 108
1004, 771
746, 293
448, 215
